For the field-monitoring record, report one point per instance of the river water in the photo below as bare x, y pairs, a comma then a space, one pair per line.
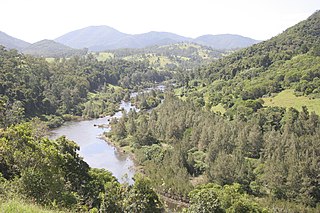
100, 154
95, 150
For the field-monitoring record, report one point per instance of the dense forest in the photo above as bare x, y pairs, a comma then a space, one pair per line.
33, 87
180, 145
247, 158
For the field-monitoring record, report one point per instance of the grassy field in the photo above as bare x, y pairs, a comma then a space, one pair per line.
19, 206
161, 61
218, 108
287, 99
103, 56
50, 60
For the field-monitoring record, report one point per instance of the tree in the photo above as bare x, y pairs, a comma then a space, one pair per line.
141, 197
204, 200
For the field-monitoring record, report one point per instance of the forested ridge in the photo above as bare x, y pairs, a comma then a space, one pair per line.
287, 61
250, 158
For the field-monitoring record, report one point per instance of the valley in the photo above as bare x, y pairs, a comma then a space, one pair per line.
216, 123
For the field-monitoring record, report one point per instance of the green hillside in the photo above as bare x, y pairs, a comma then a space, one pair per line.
288, 99
290, 60
167, 57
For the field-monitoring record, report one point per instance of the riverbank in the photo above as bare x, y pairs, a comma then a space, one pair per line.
127, 150
172, 203
94, 150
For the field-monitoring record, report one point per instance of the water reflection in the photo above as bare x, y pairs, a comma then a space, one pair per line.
95, 151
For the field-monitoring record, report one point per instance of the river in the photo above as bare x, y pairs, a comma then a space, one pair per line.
100, 154
94, 150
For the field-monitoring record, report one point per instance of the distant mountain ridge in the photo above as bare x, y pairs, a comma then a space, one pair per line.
225, 41
100, 38
11, 42
51, 49
91, 37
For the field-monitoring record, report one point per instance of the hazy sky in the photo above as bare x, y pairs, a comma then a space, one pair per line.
34, 20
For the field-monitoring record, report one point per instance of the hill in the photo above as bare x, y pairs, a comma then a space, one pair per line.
166, 57
225, 41
100, 38
92, 37
11, 42
288, 61
49, 48
159, 38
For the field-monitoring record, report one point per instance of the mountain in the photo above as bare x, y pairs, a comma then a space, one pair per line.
50, 48
11, 42
92, 37
100, 38
160, 38
225, 41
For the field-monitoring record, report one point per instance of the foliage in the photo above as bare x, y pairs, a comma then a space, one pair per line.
193, 142
213, 198
33, 87
148, 100
287, 99
173, 57
53, 174
104, 103
287, 61
271, 153
20, 206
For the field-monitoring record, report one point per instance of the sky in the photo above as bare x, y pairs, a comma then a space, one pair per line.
34, 20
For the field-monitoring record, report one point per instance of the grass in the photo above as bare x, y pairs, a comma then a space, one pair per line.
50, 60
115, 87
218, 108
287, 99
92, 95
160, 61
20, 206
203, 54
178, 92
103, 56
